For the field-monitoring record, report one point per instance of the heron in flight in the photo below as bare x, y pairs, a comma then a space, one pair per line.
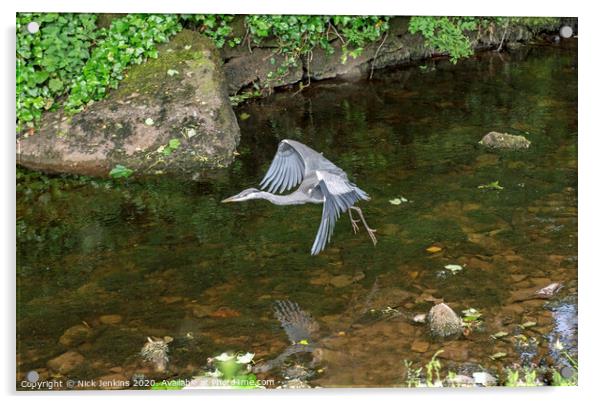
320, 182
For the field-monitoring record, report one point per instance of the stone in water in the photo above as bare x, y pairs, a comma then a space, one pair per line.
497, 140
549, 290
443, 321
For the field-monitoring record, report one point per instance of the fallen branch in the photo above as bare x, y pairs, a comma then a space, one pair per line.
376, 54
337, 33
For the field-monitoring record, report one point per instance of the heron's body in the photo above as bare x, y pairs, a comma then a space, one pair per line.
319, 181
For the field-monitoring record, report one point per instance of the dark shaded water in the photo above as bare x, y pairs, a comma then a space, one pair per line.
165, 258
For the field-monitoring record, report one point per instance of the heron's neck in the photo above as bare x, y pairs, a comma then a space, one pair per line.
289, 199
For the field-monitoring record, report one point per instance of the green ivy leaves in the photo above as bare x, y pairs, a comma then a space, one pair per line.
171, 147
446, 34
69, 57
48, 59
298, 35
215, 26
120, 171
129, 40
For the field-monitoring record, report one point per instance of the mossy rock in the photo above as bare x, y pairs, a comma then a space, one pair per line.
180, 95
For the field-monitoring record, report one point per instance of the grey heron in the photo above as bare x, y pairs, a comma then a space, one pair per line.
319, 180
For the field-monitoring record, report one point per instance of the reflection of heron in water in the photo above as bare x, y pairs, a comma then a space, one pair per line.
301, 329
320, 182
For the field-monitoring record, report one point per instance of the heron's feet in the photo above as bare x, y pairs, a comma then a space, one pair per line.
371, 234
363, 220
354, 222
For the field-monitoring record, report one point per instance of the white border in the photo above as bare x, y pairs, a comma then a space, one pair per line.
589, 182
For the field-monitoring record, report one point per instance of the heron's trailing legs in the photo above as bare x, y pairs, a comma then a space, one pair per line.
354, 223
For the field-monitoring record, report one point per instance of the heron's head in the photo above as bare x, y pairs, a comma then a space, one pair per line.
247, 194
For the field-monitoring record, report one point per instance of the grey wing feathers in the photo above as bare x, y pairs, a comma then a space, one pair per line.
286, 170
339, 195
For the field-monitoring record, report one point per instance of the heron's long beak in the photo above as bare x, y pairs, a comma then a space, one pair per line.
231, 199
242, 196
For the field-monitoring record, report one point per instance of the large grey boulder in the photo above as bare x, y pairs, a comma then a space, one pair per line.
180, 95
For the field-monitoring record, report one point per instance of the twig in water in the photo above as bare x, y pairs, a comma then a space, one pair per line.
301, 87
376, 54
309, 58
499, 48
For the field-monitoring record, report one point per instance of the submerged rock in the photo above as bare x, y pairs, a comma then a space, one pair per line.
443, 321
457, 351
549, 290
420, 346
496, 140
75, 335
201, 311
180, 95
66, 362
110, 319
340, 281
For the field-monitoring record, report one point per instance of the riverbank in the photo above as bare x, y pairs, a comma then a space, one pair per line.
246, 68
174, 115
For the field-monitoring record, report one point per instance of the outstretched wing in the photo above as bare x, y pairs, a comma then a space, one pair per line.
339, 195
286, 170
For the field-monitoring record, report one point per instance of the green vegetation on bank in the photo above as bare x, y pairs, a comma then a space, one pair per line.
451, 35
49, 60
298, 36
216, 26
71, 61
446, 34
